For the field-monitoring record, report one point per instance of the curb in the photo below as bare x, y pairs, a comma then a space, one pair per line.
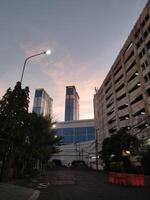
34, 195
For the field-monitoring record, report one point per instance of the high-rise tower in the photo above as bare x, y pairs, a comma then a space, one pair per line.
42, 103
71, 104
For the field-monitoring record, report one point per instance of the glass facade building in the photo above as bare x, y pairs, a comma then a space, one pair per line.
71, 104
76, 131
42, 103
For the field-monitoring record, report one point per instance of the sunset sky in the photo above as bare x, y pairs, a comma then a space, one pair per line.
84, 36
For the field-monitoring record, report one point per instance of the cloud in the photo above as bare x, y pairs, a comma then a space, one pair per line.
31, 49
62, 69
67, 71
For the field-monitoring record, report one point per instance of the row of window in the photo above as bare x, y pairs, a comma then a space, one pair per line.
144, 65
79, 134
147, 77
142, 25
141, 40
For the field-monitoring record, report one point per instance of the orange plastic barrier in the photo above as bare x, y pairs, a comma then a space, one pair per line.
125, 179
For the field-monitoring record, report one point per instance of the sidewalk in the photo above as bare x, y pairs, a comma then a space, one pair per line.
14, 192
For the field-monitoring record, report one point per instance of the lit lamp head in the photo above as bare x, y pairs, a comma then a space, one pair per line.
48, 52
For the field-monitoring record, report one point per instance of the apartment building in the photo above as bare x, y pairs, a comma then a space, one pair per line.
123, 100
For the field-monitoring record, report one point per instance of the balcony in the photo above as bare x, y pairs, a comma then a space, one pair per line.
135, 93
137, 106
120, 92
133, 82
129, 62
123, 112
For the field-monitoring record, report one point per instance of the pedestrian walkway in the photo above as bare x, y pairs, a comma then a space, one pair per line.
13, 192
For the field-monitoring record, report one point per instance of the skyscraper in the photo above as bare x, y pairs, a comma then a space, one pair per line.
42, 103
71, 104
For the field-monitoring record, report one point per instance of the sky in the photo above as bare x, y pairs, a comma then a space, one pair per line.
85, 37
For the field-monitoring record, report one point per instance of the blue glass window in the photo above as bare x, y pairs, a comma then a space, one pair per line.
69, 91
38, 93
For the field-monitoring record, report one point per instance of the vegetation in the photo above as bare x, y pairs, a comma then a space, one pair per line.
146, 161
26, 139
117, 149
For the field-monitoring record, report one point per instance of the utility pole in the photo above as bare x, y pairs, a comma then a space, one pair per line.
76, 151
96, 147
79, 152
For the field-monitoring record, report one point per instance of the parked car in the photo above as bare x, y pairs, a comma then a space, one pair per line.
78, 164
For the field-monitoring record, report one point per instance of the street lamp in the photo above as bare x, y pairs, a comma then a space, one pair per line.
48, 52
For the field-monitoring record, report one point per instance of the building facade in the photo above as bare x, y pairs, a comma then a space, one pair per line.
76, 131
84, 151
42, 103
71, 104
123, 100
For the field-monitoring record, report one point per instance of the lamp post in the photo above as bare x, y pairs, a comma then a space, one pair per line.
24, 65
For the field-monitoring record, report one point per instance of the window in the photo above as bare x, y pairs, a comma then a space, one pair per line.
146, 63
147, 17
128, 47
141, 40
134, 88
131, 54
107, 98
139, 98
107, 81
148, 45
108, 88
119, 78
132, 77
124, 117
69, 90
142, 53
130, 67
138, 45
122, 107
148, 28
109, 104
145, 34
143, 66
111, 120
149, 75
137, 33
112, 130
120, 87
142, 110
143, 23
117, 70
121, 97
38, 93
80, 134
148, 92
109, 113
145, 79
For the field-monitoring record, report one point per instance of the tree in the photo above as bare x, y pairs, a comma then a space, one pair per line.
13, 109
115, 146
40, 143
24, 137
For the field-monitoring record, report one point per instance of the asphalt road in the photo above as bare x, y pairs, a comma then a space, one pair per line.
68, 184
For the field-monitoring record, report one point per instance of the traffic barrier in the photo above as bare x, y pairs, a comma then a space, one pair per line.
126, 179
141, 180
